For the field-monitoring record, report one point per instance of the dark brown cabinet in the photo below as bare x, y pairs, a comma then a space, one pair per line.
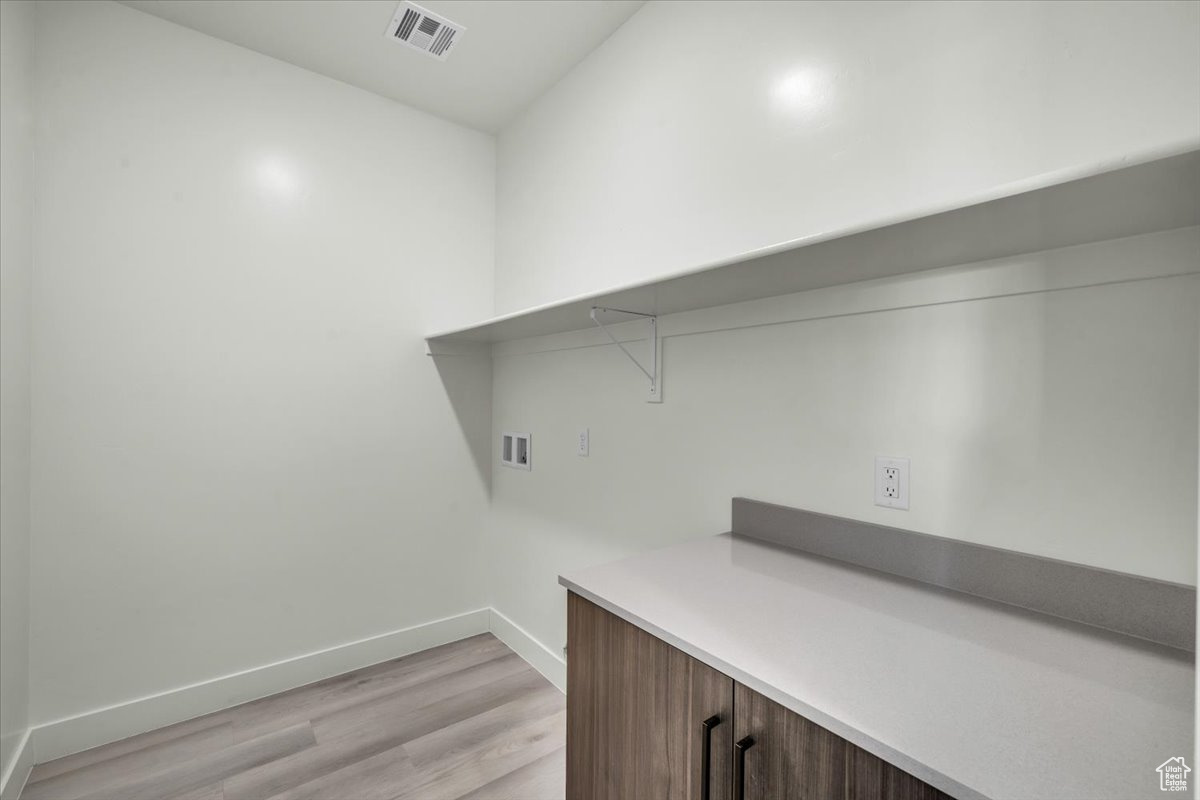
791, 758
645, 720
636, 714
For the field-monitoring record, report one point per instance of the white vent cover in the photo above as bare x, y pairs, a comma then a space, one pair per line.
423, 30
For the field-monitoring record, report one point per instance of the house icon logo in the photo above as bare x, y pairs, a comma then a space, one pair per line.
1172, 775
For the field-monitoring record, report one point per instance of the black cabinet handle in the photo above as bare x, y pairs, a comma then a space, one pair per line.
706, 753
739, 767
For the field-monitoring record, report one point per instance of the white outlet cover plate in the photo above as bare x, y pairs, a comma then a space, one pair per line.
897, 497
584, 442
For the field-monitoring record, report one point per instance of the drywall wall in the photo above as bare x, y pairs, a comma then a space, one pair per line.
241, 453
16, 263
1047, 403
704, 130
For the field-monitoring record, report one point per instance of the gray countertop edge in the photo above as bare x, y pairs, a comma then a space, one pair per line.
856, 737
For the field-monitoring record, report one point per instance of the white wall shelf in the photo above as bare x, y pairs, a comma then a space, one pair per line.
1060, 210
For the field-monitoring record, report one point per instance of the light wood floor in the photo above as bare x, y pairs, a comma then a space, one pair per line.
466, 721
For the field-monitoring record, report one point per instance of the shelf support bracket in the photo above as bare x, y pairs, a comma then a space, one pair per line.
654, 373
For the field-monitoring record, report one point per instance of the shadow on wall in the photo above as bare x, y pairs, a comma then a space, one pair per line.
467, 380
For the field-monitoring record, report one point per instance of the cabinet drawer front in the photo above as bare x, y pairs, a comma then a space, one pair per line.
636, 709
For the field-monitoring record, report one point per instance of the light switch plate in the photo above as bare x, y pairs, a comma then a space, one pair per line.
891, 482
583, 445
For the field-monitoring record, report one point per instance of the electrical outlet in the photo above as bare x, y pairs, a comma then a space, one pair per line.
582, 447
891, 482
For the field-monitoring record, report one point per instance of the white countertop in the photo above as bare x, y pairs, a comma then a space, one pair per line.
979, 699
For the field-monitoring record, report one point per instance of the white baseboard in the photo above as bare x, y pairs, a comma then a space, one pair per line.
13, 779
103, 725
540, 657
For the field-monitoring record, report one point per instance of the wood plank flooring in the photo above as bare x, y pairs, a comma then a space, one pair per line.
465, 721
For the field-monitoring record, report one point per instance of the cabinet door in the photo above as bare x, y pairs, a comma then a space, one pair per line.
791, 758
872, 778
636, 709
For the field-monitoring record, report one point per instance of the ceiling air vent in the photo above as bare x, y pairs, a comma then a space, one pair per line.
421, 29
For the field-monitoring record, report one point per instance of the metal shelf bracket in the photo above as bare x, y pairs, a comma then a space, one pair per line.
654, 373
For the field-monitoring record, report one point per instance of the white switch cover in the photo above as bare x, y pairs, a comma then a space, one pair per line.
582, 448
891, 482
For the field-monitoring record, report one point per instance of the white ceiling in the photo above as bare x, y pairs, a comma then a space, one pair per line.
511, 52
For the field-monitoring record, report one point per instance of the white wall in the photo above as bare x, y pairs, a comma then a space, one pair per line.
1042, 413
703, 130
240, 452
16, 262
237, 260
